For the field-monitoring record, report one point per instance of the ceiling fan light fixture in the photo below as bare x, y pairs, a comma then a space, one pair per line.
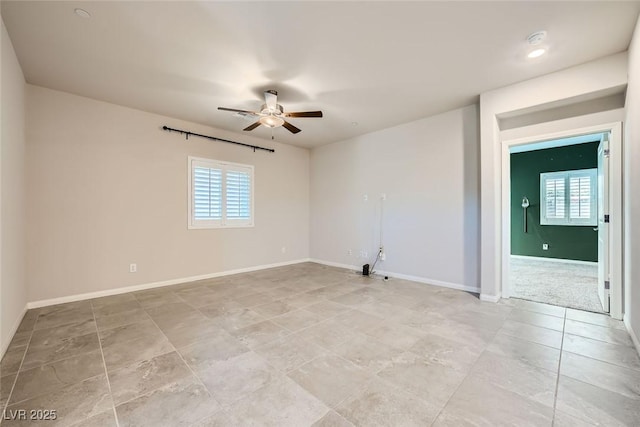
538, 48
272, 114
271, 121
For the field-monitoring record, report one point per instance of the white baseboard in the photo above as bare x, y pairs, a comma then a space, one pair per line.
12, 332
160, 284
489, 298
441, 283
559, 260
418, 279
336, 264
634, 337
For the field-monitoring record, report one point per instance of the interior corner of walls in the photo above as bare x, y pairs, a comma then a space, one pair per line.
634, 337
7, 340
334, 264
13, 165
418, 279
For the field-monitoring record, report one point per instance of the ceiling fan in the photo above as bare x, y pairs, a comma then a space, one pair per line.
272, 114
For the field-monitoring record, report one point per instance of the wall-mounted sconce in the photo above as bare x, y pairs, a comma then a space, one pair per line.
525, 205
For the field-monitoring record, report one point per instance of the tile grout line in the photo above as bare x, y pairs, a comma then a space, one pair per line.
285, 374
529, 341
350, 395
601, 340
186, 364
63, 358
291, 333
555, 394
15, 380
615, 365
61, 389
104, 364
264, 320
464, 379
529, 310
598, 387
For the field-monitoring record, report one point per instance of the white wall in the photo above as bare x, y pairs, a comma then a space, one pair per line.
13, 292
428, 170
108, 187
632, 191
573, 85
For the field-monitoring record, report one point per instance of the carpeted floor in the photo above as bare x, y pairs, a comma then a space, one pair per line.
550, 282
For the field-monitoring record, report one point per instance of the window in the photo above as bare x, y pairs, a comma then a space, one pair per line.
220, 194
568, 198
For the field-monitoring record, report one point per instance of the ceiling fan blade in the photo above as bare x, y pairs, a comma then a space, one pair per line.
291, 128
271, 99
233, 110
252, 126
304, 114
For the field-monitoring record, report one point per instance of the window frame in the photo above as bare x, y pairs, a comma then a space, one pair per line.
566, 176
224, 166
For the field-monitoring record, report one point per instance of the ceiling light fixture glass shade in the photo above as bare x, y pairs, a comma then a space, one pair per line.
271, 121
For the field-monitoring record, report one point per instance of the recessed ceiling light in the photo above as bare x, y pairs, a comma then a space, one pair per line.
536, 53
82, 13
535, 40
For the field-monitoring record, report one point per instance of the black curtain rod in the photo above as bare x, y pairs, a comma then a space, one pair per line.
187, 133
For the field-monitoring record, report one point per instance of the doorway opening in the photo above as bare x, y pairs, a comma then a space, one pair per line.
559, 241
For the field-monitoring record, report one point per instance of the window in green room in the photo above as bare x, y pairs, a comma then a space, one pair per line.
568, 198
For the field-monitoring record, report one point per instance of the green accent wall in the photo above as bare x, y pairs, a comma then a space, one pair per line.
567, 242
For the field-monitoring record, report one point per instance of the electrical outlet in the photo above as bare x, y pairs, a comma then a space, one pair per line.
133, 268
383, 196
364, 254
349, 252
545, 246
365, 197
284, 249
383, 256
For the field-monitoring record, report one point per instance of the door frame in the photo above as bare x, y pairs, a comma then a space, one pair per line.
602, 210
615, 205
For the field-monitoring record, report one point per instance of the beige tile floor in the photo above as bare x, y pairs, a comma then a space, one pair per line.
310, 345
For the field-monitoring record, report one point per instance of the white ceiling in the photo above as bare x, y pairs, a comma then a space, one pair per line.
379, 64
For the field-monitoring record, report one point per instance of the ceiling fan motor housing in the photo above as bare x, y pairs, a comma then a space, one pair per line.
266, 110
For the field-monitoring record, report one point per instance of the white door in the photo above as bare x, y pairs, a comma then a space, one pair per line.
603, 225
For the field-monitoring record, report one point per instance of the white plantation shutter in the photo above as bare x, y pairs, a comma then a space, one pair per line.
580, 193
568, 198
207, 193
555, 200
220, 194
238, 187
